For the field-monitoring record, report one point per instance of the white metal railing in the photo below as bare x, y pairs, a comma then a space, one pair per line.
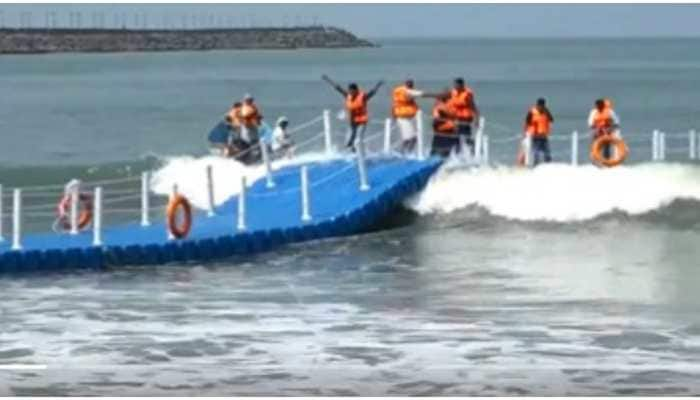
97, 224
16, 219
145, 198
124, 190
305, 207
210, 191
241, 226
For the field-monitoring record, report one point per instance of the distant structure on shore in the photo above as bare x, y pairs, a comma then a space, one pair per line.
53, 40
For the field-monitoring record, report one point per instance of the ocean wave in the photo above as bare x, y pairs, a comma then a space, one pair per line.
558, 192
189, 173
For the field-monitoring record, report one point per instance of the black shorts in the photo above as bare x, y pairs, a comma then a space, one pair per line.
464, 129
443, 145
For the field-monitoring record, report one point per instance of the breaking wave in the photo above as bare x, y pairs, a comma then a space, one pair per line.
558, 192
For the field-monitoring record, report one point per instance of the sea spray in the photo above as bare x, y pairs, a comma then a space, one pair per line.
558, 192
189, 173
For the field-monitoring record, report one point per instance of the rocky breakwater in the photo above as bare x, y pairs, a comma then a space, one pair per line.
31, 41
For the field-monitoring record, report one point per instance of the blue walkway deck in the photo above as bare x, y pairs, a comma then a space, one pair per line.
273, 218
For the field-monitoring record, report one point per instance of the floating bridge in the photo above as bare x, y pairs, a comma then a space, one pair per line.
312, 200
305, 201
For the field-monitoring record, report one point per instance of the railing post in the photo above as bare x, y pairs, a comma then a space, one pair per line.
485, 148
464, 148
361, 167
528, 151
327, 131
662, 146
97, 225
574, 148
241, 205
210, 191
305, 209
478, 138
692, 138
268, 168
145, 198
387, 136
419, 137
16, 219
2, 215
655, 145
173, 194
74, 199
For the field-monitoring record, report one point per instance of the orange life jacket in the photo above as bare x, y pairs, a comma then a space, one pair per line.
442, 118
540, 124
602, 119
234, 116
404, 106
249, 115
357, 108
461, 102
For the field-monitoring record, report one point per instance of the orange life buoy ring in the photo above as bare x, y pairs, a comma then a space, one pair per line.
179, 202
619, 155
85, 214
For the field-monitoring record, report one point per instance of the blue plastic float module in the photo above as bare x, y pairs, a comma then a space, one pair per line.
273, 218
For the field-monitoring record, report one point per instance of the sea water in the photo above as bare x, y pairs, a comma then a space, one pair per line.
493, 281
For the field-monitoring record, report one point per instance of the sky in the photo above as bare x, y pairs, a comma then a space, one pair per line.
387, 20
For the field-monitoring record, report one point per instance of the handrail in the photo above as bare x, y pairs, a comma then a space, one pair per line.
305, 125
126, 193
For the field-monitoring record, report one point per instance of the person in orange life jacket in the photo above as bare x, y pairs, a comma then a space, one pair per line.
233, 120
466, 111
404, 110
356, 106
603, 121
250, 119
538, 127
445, 136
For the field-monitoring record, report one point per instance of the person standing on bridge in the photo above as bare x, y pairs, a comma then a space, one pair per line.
250, 120
356, 106
464, 105
404, 109
603, 121
538, 124
444, 127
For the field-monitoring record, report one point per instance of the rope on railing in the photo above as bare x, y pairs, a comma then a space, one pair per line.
122, 199
38, 214
502, 127
506, 139
308, 141
297, 188
676, 151
58, 186
305, 125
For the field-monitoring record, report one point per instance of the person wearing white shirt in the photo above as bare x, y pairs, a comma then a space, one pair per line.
282, 144
404, 109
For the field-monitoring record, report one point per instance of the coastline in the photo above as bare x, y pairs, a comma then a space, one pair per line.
42, 41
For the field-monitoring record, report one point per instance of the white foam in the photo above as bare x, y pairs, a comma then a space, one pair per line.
558, 192
189, 173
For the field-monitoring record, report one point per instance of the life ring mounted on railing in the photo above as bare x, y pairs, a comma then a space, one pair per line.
85, 207
177, 205
619, 151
